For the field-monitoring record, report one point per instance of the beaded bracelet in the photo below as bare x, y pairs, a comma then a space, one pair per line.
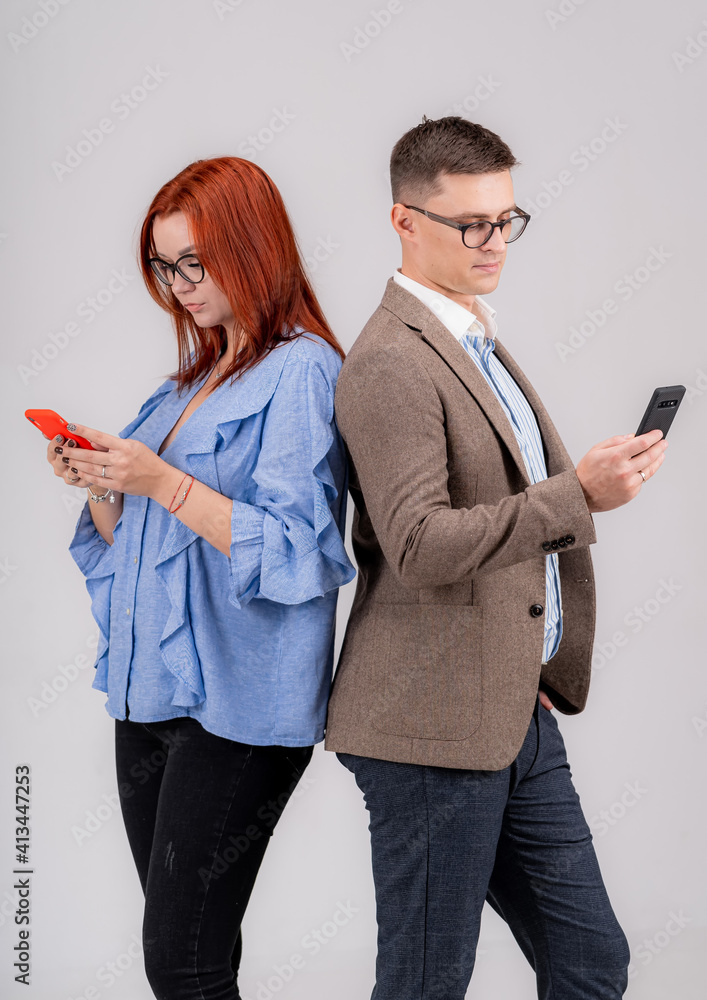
184, 495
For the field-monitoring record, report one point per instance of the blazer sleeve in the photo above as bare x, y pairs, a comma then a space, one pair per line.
393, 422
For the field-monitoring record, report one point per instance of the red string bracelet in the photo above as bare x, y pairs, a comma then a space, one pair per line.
184, 495
177, 491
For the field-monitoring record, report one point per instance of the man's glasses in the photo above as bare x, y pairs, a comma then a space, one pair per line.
188, 266
475, 234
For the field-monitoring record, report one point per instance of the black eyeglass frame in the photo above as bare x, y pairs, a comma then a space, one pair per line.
462, 227
175, 268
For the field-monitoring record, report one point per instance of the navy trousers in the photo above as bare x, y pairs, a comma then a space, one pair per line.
444, 840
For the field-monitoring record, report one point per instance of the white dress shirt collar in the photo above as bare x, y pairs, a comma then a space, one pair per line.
455, 317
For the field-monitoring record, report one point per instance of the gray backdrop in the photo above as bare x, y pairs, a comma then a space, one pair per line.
601, 301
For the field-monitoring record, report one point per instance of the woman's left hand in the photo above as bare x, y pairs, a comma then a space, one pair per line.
130, 466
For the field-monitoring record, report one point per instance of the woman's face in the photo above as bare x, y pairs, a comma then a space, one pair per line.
204, 300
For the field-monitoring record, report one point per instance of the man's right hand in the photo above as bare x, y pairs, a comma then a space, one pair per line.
610, 472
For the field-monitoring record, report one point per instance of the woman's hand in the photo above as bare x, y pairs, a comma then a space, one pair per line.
130, 466
57, 450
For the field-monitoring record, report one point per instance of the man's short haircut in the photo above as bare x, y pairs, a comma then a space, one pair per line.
449, 145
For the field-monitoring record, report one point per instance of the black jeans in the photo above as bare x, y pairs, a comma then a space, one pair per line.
199, 811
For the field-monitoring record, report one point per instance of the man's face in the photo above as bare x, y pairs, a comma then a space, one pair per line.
435, 254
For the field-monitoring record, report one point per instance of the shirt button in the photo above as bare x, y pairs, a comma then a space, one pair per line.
127, 611
135, 559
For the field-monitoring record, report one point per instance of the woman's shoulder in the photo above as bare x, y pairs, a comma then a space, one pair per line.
312, 348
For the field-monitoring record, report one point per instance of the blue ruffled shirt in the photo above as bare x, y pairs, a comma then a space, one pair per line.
244, 644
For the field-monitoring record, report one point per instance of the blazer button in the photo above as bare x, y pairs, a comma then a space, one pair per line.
547, 546
536, 610
553, 543
562, 542
569, 539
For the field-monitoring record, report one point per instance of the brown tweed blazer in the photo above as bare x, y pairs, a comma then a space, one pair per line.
441, 659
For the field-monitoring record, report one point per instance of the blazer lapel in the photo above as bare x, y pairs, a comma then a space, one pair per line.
418, 317
557, 456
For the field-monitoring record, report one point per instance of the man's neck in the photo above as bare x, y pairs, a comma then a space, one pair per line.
467, 301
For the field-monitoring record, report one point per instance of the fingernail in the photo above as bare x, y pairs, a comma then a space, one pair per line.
58, 438
70, 443
71, 427
65, 460
75, 470
58, 450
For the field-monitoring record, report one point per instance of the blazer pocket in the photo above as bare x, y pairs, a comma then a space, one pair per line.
427, 670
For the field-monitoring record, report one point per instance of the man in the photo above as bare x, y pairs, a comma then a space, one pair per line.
474, 609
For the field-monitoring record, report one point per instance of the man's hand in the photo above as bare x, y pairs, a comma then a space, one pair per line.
610, 472
545, 701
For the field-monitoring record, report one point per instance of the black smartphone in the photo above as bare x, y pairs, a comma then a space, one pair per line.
661, 409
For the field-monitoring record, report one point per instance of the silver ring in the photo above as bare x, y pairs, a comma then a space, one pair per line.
104, 472
642, 475
74, 480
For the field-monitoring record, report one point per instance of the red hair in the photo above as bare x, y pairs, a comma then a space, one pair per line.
243, 236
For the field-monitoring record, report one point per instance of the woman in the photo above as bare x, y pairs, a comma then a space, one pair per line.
211, 542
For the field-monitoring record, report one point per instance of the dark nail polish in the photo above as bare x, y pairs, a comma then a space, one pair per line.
70, 443
65, 460
58, 450
75, 470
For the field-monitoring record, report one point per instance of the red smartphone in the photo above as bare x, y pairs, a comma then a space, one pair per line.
51, 424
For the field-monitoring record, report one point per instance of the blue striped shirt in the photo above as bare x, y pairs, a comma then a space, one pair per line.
477, 340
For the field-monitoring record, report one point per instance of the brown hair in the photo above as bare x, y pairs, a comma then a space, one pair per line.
450, 145
244, 239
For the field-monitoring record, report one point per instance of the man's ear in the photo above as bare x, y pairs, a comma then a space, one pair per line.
403, 222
